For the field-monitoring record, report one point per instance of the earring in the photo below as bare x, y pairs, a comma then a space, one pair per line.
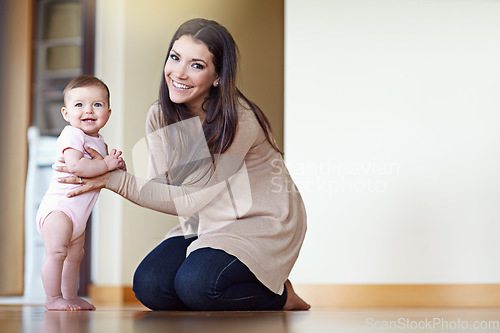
216, 83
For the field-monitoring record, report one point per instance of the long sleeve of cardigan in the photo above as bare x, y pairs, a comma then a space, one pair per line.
186, 199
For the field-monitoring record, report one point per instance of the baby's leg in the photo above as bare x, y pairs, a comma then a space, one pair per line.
70, 273
56, 233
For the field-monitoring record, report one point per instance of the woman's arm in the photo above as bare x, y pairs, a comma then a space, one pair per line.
196, 191
188, 198
154, 194
88, 184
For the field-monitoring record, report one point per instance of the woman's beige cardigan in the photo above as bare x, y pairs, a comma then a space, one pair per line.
249, 207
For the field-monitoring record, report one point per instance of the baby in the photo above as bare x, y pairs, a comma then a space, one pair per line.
62, 220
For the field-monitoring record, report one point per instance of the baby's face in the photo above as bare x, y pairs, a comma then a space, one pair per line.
87, 108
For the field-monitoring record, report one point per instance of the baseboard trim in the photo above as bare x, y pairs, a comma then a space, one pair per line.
400, 296
112, 295
323, 296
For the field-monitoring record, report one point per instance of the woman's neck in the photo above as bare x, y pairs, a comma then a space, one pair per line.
198, 111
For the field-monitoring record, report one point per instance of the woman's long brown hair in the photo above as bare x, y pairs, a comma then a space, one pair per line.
221, 106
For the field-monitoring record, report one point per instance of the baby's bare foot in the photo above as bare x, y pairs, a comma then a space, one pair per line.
61, 304
84, 305
293, 301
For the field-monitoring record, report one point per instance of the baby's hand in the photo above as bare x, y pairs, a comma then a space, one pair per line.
114, 161
122, 165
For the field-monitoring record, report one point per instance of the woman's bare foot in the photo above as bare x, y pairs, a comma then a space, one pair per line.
61, 304
84, 305
293, 301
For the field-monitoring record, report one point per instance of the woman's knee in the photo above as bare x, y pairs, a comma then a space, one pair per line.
154, 278
196, 290
144, 284
197, 280
155, 290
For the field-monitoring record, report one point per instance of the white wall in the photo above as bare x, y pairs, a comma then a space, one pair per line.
392, 118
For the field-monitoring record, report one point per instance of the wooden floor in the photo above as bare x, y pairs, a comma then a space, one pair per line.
133, 319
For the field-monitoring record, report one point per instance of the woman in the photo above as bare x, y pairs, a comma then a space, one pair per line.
214, 162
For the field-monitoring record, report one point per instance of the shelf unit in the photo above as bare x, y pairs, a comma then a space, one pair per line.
63, 49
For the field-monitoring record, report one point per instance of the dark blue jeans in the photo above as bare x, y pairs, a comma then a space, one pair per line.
207, 280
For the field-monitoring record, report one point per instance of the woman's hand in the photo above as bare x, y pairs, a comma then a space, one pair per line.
88, 184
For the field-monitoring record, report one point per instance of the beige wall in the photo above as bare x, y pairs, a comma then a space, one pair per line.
132, 39
15, 73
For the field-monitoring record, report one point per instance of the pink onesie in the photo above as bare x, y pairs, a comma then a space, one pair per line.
77, 208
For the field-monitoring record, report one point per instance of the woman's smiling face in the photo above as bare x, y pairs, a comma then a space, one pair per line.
190, 73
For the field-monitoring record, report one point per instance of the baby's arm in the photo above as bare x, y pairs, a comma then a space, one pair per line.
84, 167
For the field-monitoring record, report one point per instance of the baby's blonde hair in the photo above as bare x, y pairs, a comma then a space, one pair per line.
85, 81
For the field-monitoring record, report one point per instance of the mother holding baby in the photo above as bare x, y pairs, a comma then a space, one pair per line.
213, 162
